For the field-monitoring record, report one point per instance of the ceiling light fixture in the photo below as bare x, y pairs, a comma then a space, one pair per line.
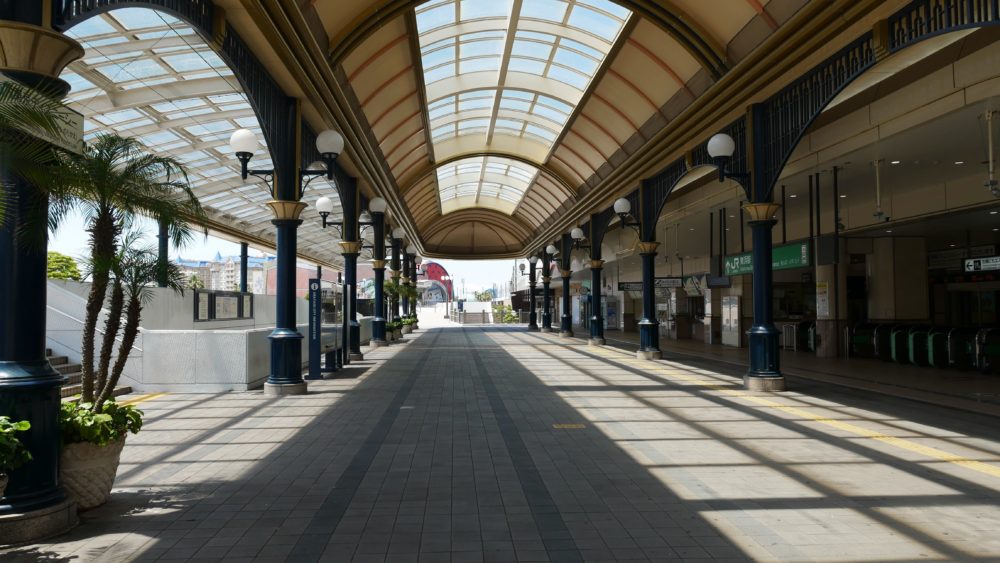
894, 162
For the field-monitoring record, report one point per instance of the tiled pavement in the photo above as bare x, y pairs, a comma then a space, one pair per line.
483, 444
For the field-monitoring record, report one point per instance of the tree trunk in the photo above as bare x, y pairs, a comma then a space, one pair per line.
102, 250
111, 326
131, 330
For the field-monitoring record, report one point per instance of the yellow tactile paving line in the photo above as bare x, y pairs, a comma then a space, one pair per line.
142, 398
931, 452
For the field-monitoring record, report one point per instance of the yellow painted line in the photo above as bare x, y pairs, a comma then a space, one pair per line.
928, 451
568, 426
142, 398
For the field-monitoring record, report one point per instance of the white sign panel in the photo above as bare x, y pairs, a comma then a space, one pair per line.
982, 264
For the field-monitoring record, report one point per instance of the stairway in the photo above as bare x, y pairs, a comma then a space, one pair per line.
72, 387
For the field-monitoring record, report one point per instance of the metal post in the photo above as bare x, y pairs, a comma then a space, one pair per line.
244, 260
565, 261
407, 275
649, 327
394, 266
546, 295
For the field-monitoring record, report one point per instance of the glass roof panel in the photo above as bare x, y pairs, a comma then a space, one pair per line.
554, 47
484, 181
133, 51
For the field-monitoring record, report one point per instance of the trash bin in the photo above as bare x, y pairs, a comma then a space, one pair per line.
962, 348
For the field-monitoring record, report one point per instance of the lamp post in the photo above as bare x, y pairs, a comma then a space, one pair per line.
764, 373
408, 277
649, 327
596, 264
565, 263
286, 346
447, 296
532, 282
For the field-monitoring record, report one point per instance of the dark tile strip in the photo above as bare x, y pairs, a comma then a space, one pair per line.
555, 534
316, 535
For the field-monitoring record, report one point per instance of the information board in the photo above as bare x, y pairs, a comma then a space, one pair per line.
982, 264
786, 257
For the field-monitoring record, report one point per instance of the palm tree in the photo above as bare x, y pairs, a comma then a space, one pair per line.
28, 117
118, 181
391, 290
194, 282
135, 272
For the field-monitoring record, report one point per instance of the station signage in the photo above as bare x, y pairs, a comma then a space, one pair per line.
658, 283
982, 264
785, 257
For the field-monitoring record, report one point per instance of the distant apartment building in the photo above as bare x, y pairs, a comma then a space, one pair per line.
223, 272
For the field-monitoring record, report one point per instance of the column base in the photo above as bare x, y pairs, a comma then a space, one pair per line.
648, 355
38, 524
596, 342
356, 357
566, 334
533, 328
545, 329
281, 389
377, 343
765, 384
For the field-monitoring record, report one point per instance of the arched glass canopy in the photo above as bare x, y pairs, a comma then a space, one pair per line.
494, 182
505, 77
149, 75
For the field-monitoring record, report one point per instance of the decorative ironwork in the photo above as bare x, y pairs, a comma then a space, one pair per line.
595, 230
654, 193
199, 13
926, 18
782, 119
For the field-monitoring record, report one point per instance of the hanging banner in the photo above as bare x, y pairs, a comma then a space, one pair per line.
786, 257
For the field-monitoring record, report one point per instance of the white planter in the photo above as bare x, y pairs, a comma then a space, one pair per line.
398, 334
407, 329
87, 471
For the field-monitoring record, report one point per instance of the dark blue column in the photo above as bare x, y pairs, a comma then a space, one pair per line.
764, 372
244, 260
350, 254
378, 264
407, 280
546, 293
29, 386
163, 255
532, 314
649, 327
286, 341
596, 319
395, 267
566, 320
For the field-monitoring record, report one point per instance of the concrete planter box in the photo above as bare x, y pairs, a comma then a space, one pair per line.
87, 471
407, 329
397, 334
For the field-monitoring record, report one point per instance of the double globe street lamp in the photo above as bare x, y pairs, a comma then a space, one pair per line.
286, 348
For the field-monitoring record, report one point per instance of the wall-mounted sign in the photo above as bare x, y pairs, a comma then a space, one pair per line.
982, 264
954, 258
658, 283
786, 257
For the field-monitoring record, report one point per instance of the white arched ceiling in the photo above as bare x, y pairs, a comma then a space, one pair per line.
505, 77
148, 75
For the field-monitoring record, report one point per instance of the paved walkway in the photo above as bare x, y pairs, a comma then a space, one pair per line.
490, 444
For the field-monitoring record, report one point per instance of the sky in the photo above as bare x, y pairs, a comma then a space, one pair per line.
71, 239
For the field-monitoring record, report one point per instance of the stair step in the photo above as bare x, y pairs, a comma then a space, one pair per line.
57, 360
66, 369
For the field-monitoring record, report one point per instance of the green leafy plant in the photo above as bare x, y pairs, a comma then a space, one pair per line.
80, 422
13, 454
408, 321
393, 325
62, 267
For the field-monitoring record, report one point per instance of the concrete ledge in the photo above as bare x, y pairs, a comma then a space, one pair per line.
356, 357
544, 329
277, 390
596, 342
38, 524
648, 354
766, 384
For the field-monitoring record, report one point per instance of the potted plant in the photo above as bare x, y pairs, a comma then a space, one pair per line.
407, 325
13, 454
92, 445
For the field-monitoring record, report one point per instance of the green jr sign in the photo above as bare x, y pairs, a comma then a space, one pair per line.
785, 257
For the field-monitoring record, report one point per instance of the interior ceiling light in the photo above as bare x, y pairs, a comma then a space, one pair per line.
894, 162
959, 162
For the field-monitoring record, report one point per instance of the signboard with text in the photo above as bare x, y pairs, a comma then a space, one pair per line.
786, 257
982, 264
658, 283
